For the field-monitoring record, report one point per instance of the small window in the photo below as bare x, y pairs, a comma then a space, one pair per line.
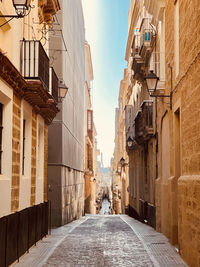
1, 130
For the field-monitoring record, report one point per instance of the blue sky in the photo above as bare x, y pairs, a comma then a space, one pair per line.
106, 25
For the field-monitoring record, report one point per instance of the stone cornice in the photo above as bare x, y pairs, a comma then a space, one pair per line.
40, 100
11, 75
32, 91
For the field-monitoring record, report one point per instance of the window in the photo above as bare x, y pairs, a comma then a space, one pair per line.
1, 129
40, 150
23, 146
26, 140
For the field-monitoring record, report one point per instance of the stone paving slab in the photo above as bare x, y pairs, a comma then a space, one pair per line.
157, 245
38, 254
103, 241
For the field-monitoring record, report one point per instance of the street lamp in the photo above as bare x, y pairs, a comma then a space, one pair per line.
122, 161
21, 6
62, 91
119, 169
129, 142
152, 82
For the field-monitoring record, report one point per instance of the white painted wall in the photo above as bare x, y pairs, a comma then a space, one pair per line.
40, 161
25, 180
6, 96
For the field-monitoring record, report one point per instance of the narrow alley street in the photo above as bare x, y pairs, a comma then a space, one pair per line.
103, 241
105, 209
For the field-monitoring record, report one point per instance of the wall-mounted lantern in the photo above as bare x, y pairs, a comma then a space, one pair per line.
62, 91
119, 169
129, 142
122, 161
21, 8
152, 82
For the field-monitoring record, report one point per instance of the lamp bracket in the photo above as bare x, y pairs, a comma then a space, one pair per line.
170, 96
12, 16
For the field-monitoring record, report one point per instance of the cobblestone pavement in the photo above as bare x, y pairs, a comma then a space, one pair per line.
105, 241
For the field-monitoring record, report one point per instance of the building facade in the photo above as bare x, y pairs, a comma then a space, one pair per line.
27, 107
119, 171
164, 155
141, 52
177, 186
90, 171
66, 134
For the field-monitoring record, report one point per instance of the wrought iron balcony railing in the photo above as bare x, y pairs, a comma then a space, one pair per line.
34, 62
139, 127
144, 122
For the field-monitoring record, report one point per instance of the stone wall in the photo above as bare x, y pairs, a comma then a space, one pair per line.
178, 218
189, 218
66, 193
33, 158
73, 195
16, 154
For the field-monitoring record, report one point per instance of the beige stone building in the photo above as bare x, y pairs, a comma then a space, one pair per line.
140, 129
177, 186
164, 129
119, 172
90, 134
28, 104
27, 107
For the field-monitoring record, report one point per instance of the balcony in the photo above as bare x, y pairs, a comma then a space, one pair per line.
139, 127
144, 122
147, 40
53, 84
138, 61
147, 114
35, 62
130, 124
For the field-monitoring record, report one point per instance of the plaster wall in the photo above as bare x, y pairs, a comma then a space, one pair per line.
25, 180
6, 96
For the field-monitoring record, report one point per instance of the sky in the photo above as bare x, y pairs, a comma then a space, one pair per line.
106, 27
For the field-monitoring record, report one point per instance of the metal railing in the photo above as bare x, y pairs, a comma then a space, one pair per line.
139, 126
147, 112
21, 230
34, 62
